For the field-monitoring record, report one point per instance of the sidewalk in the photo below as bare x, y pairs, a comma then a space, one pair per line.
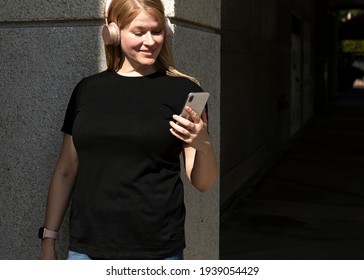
310, 205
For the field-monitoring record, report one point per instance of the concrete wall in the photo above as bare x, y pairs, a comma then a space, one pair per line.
256, 86
196, 44
46, 47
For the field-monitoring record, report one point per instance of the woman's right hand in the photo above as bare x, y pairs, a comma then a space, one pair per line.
48, 249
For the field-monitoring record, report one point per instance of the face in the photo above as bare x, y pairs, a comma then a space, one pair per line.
141, 43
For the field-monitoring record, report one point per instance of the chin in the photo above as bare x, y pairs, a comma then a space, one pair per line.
147, 61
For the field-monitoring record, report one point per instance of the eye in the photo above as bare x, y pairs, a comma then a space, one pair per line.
157, 32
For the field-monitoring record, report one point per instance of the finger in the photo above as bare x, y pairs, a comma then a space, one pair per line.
204, 116
184, 122
181, 120
177, 135
193, 115
179, 129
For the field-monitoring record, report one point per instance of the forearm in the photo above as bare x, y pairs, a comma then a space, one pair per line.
59, 195
60, 188
205, 169
200, 161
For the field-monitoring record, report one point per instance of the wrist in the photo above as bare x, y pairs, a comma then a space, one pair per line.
45, 233
48, 249
48, 242
205, 147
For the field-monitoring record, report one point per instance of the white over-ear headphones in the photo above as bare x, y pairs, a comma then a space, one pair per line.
111, 31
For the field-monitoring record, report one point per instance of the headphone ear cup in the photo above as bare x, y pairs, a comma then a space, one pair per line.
111, 34
168, 28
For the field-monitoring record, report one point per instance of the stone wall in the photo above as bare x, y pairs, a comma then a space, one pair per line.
46, 47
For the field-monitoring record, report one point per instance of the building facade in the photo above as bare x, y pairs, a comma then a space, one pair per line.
267, 64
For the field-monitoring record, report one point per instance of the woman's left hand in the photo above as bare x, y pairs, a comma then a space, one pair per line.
192, 131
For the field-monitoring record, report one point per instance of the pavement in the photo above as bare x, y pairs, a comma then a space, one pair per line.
310, 204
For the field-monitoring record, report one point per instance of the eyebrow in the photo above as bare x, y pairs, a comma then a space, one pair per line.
142, 28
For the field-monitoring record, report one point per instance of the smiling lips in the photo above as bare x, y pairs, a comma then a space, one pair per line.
147, 52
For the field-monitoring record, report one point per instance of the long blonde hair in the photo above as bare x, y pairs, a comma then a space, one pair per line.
122, 12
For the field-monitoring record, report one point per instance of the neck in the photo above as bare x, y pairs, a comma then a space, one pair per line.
130, 71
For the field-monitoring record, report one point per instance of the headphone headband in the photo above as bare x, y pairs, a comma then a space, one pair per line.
106, 8
111, 32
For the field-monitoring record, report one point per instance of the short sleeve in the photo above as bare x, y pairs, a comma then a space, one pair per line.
71, 112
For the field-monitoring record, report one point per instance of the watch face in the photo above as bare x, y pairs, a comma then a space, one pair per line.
41, 232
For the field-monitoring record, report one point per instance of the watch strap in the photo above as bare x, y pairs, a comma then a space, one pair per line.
47, 233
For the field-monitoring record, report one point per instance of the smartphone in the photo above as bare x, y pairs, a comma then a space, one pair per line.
196, 101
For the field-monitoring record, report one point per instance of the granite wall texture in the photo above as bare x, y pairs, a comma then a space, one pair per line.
46, 47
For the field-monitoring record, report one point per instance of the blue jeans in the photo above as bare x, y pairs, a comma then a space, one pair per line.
79, 256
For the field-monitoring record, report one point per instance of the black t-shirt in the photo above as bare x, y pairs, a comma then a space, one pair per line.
128, 196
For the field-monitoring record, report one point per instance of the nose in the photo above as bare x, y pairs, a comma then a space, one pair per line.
148, 39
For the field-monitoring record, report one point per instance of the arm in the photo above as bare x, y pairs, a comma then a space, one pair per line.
200, 161
59, 194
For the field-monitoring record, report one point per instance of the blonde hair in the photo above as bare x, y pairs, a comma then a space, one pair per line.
122, 12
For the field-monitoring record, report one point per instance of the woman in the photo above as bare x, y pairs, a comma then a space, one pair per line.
123, 136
